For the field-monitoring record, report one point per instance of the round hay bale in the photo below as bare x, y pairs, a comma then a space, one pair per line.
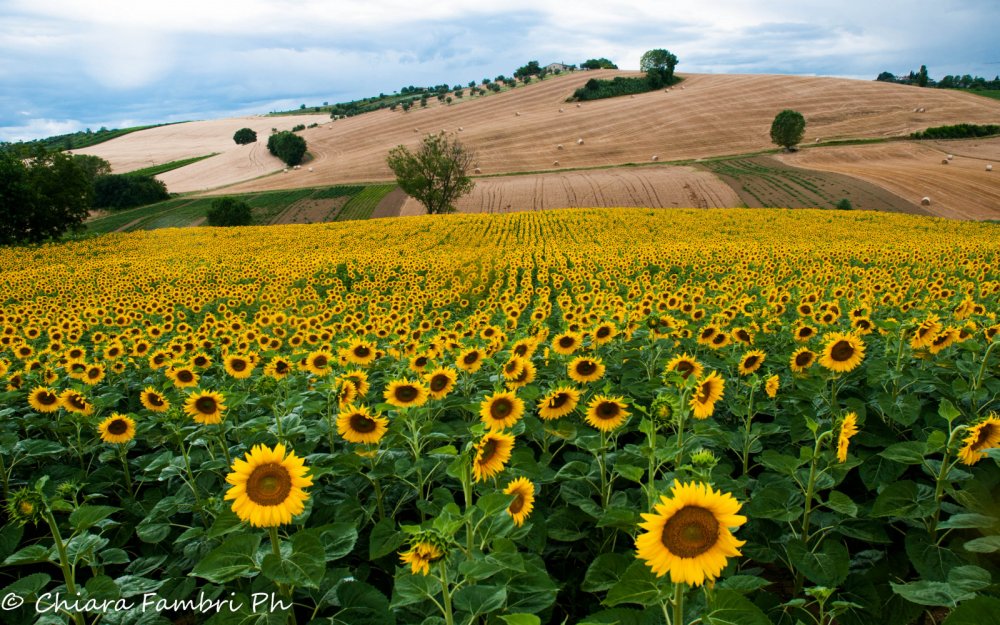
655, 157
923, 110
989, 168
559, 147
556, 163
578, 105
416, 130
916, 110
949, 157
925, 202
298, 167
579, 141
460, 129
632, 96
285, 170
478, 171
560, 110
517, 113
944, 161
310, 169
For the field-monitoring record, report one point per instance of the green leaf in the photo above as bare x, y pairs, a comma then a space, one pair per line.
102, 588
362, 604
410, 589
232, 559
909, 452
982, 610
948, 411
986, 544
903, 499
225, 522
969, 578
87, 516
494, 503
85, 547
605, 571
775, 501
480, 599
520, 619
967, 521
10, 538
338, 539
38, 447
30, 555
630, 472
131, 585
828, 566
931, 593
930, 560
780, 462
27, 586
839, 502
384, 539
303, 568
637, 585
744, 584
732, 608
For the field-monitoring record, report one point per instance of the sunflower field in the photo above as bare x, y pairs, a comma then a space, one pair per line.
582, 416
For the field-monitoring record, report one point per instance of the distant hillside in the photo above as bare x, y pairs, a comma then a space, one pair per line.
74, 140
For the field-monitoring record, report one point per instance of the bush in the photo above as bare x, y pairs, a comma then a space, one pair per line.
601, 63
844, 205
244, 136
287, 146
958, 131
788, 128
298, 127
595, 89
42, 196
227, 211
436, 174
121, 191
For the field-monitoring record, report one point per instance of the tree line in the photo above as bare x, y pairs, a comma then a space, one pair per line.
921, 78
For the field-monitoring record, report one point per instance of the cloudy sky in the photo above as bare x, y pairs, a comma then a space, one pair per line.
66, 65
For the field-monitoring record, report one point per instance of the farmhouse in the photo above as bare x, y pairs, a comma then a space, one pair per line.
558, 67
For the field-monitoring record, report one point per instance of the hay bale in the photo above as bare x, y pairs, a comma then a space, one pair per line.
559, 147
579, 141
298, 167
949, 157
460, 129
285, 170
517, 113
944, 161
310, 169
632, 96
578, 105
989, 168
922, 110
478, 171
560, 110
925, 202
655, 157
416, 130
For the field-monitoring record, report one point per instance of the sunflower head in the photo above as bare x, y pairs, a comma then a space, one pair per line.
689, 535
771, 386
406, 394
492, 452
440, 382
848, 428
751, 361
500, 411
425, 549
606, 413
685, 365
43, 399
524, 499
205, 407
842, 353
801, 360
359, 425
117, 429
558, 403
981, 436
708, 391
25, 506
153, 400
267, 487
585, 370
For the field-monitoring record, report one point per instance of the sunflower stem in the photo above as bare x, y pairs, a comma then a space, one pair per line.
191, 481
681, 422
678, 604
605, 495
276, 550
982, 368
651, 489
467, 491
67, 569
449, 618
747, 442
899, 361
128, 476
941, 480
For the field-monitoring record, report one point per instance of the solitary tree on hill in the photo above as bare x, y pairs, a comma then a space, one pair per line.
436, 174
659, 66
244, 136
788, 129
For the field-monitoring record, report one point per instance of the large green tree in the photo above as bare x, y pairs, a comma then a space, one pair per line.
436, 174
287, 146
42, 196
788, 128
659, 66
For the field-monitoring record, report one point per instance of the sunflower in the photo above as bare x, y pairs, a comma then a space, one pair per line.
947, 337
771, 386
983, 435
751, 361
358, 425
685, 365
527, 376
358, 378
804, 333
848, 428
606, 413
801, 360
278, 368
239, 367
75, 402
153, 400
470, 360
585, 370
604, 333
93, 374
406, 394
843, 352
420, 556
117, 429
524, 499
558, 403
708, 391
43, 399
347, 393
267, 486
689, 535
319, 362
205, 407
513, 368
183, 377
566, 343
926, 332
361, 352
492, 452
440, 382
501, 410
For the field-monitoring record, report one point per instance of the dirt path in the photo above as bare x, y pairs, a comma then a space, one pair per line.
128, 226
391, 205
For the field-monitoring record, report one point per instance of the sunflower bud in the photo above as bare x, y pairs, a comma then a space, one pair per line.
25, 506
661, 408
704, 458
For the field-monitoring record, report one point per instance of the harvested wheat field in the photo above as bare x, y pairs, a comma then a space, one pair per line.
522, 130
174, 142
653, 187
962, 189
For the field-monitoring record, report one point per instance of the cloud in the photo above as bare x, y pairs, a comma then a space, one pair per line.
94, 63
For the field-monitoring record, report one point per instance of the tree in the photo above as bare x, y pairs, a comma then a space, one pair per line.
122, 191
531, 69
601, 63
886, 77
42, 196
287, 146
93, 166
244, 136
436, 174
788, 128
659, 66
922, 76
227, 211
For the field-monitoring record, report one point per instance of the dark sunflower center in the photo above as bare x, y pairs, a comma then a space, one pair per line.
602, 332
743, 336
521, 350
518, 504
608, 410
690, 532
567, 342
320, 361
707, 333
47, 399
185, 376
269, 484
93, 373
205, 405
559, 400
281, 366
719, 339
238, 364
512, 366
586, 367
200, 361
941, 339
362, 424
805, 332
159, 358
471, 358
803, 359
439, 382
362, 351
77, 402
750, 362
406, 393
118, 427
842, 350
420, 362
154, 399
986, 432
704, 392
685, 368
501, 408
488, 451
